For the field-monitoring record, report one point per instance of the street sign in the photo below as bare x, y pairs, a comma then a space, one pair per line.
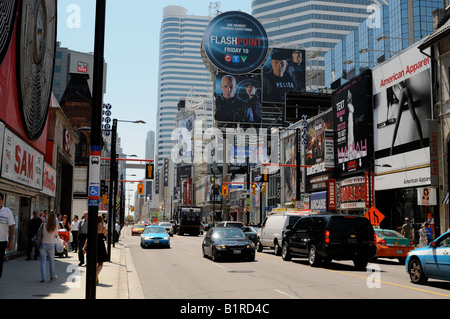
374, 216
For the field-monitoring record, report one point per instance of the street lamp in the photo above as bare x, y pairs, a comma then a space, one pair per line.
113, 178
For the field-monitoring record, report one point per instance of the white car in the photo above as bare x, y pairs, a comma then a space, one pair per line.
168, 226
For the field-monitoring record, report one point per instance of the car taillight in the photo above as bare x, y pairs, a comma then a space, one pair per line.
412, 243
327, 237
380, 241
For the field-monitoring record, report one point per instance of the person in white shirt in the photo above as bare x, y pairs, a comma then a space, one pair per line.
47, 248
7, 224
75, 227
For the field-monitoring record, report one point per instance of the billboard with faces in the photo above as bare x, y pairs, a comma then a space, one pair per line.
352, 106
283, 72
238, 98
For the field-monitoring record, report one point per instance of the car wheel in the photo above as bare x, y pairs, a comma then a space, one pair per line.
259, 247
313, 257
277, 249
416, 273
214, 255
285, 254
360, 264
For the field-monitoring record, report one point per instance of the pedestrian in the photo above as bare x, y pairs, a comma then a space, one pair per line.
47, 249
82, 237
102, 255
407, 229
75, 227
7, 224
429, 232
116, 232
65, 223
423, 240
33, 227
58, 220
45, 212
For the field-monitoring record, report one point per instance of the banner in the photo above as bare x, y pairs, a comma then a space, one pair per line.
283, 72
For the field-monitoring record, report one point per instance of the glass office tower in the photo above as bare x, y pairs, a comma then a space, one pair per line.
315, 26
182, 73
391, 29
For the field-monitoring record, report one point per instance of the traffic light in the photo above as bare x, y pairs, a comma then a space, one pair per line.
265, 175
140, 189
224, 190
149, 171
264, 187
254, 189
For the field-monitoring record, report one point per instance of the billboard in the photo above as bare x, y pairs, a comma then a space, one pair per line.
289, 174
352, 105
235, 42
319, 151
283, 72
402, 109
238, 98
183, 149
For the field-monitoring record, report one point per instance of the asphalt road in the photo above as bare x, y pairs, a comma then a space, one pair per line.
181, 272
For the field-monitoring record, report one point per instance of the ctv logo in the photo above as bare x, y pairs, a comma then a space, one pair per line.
235, 58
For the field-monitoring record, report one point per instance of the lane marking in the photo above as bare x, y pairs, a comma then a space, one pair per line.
283, 293
365, 278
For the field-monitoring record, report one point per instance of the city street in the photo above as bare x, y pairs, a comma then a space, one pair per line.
182, 272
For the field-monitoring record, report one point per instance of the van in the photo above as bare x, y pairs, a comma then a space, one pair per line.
324, 237
272, 229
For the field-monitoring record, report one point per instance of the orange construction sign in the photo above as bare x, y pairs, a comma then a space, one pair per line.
374, 216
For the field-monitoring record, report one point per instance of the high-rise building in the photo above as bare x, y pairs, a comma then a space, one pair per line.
315, 26
182, 75
391, 29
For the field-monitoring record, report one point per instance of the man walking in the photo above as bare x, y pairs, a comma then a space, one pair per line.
7, 223
33, 227
82, 237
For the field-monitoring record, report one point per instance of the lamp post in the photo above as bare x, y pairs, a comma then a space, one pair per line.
113, 181
94, 171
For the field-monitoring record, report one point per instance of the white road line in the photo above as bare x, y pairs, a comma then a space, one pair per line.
283, 293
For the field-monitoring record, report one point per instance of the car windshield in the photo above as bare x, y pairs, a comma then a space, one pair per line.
228, 233
345, 223
165, 224
237, 225
154, 229
387, 233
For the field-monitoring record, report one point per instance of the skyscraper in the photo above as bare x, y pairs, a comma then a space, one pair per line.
182, 74
315, 26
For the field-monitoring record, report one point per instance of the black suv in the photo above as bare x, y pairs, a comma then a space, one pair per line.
322, 238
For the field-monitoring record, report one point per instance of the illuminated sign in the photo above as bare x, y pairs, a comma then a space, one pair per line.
235, 42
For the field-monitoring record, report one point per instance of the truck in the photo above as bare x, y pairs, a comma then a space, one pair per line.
189, 220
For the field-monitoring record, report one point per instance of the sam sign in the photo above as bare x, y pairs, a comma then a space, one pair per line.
236, 43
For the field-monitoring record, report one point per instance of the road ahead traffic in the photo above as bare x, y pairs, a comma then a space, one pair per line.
182, 272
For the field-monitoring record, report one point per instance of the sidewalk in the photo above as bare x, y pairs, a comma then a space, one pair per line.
21, 278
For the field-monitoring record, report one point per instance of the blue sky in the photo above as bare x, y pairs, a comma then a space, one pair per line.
132, 55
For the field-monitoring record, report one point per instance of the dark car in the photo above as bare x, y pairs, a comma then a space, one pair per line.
322, 238
227, 242
251, 232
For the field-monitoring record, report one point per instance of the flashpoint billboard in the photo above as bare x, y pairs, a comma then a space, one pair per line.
235, 42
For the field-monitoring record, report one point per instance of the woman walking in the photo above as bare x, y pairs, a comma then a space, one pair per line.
47, 248
102, 254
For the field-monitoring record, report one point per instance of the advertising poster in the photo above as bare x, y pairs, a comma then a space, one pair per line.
289, 174
238, 98
284, 71
183, 152
402, 108
235, 42
317, 153
352, 107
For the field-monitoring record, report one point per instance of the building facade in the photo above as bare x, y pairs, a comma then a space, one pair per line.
182, 74
315, 26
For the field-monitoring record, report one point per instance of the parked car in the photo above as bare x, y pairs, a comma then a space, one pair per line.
322, 238
272, 229
230, 224
168, 226
155, 236
430, 262
137, 229
251, 232
391, 244
222, 242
